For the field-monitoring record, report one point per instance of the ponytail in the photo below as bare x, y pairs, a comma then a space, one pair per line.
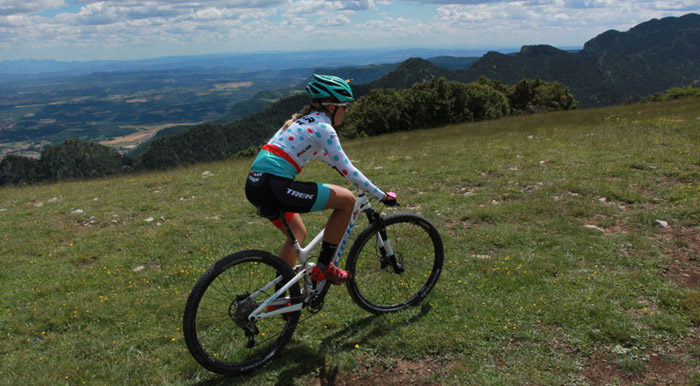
314, 106
305, 111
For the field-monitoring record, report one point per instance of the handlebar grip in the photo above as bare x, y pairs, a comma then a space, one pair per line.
390, 199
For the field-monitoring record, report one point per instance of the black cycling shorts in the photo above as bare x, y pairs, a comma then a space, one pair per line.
284, 194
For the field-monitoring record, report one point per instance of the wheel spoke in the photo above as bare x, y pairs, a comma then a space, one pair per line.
376, 285
216, 325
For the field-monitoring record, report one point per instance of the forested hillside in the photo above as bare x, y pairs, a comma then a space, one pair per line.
73, 159
428, 101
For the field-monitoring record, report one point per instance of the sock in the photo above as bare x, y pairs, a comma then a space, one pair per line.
327, 251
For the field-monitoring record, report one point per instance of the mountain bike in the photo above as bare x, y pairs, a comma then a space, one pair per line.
244, 309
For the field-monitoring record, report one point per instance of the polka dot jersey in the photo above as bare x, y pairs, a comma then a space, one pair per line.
308, 138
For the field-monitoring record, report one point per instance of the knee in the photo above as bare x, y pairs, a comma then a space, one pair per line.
297, 227
347, 199
340, 199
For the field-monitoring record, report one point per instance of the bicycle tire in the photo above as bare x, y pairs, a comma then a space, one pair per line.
418, 248
212, 335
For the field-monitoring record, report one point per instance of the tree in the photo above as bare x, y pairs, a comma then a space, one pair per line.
17, 169
427, 104
377, 113
536, 95
553, 96
77, 159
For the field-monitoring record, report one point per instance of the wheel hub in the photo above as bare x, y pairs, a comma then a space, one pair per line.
239, 311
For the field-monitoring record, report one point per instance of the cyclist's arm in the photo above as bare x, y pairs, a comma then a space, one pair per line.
336, 157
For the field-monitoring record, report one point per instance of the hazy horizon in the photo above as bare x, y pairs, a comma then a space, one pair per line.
85, 30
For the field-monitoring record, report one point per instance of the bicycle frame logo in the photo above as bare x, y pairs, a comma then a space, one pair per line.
360, 205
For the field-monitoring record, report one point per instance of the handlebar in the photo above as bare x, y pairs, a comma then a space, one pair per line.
391, 198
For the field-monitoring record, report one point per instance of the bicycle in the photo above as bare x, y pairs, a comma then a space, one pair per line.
232, 322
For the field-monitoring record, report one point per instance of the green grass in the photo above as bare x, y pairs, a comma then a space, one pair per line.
95, 274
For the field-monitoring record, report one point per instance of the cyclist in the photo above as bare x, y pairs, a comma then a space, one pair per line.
310, 135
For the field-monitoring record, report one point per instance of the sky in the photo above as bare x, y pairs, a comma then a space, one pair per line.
79, 30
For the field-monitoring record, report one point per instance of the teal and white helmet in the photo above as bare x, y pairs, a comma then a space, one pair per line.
329, 86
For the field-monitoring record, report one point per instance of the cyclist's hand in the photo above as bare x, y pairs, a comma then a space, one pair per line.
390, 199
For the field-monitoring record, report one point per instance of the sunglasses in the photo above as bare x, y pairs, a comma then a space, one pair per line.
344, 104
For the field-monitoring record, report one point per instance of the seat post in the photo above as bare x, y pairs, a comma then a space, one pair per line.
287, 229
273, 215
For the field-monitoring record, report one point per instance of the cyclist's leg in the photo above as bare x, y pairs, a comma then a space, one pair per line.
287, 253
342, 201
274, 192
303, 197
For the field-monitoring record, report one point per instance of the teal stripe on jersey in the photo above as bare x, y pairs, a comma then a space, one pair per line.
269, 163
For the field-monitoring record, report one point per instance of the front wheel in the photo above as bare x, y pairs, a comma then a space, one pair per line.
382, 283
216, 326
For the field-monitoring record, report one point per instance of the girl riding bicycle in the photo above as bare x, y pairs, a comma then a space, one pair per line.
310, 135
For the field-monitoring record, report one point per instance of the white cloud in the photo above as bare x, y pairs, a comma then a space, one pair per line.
102, 13
356, 5
679, 5
19, 7
462, 2
555, 22
309, 7
322, 7
396, 28
333, 20
670, 5
521, 15
219, 25
123, 23
193, 3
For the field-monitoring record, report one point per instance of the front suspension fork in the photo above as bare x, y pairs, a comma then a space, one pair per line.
388, 257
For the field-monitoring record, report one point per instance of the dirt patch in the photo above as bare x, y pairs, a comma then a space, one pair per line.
662, 369
665, 364
607, 225
399, 373
682, 245
601, 369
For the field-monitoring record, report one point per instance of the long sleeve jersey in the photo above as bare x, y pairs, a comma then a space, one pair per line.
308, 138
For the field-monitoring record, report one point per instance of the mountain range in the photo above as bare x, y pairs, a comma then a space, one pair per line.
37, 109
612, 67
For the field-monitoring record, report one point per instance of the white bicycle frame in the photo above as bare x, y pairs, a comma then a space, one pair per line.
304, 269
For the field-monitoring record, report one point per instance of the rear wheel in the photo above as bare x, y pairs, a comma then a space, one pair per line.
215, 323
382, 283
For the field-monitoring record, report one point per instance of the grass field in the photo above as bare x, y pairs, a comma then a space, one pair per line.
557, 270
